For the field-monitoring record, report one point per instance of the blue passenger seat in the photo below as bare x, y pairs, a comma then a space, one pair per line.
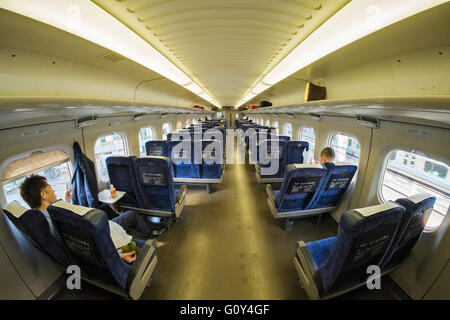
36, 228
333, 266
418, 210
156, 187
86, 234
298, 188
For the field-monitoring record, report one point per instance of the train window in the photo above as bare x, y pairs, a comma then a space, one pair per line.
308, 134
179, 125
113, 144
166, 128
287, 130
188, 123
406, 174
275, 125
145, 134
54, 165
347, 148
267, 123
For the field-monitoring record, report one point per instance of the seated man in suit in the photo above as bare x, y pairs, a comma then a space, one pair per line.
38, 194
327, 155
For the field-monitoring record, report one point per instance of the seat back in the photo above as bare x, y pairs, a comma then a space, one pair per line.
268, 152
338, 178
295, 151
418, 210
182, 154
86, 234
157, 148
299, 186
212, 158
122, 176
36, 228
364, 236
155, 183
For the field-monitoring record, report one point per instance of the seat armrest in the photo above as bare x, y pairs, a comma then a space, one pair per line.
271, 194
141, 270
181, 194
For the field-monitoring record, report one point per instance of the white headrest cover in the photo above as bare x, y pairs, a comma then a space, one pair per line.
304, 165
16, 209
72, 207
368, 211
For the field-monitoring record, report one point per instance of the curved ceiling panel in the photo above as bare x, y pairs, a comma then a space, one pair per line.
225, 45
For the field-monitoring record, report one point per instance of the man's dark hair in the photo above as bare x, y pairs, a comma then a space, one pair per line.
328, 153
30, 190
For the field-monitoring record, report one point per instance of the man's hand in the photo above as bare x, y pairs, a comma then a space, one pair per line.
129, 256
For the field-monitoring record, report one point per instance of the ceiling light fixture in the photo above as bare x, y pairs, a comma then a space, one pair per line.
337, 32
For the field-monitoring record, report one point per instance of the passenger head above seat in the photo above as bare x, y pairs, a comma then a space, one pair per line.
327, 155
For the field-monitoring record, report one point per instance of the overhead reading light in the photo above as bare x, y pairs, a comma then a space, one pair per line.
336, 32
368, 122
85, 19
315, 116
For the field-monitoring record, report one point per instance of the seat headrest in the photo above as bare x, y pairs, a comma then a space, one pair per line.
79, 210
15, 208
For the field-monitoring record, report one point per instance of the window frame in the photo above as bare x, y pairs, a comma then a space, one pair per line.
126, 150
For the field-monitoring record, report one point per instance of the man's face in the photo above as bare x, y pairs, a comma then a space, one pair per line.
48, 194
